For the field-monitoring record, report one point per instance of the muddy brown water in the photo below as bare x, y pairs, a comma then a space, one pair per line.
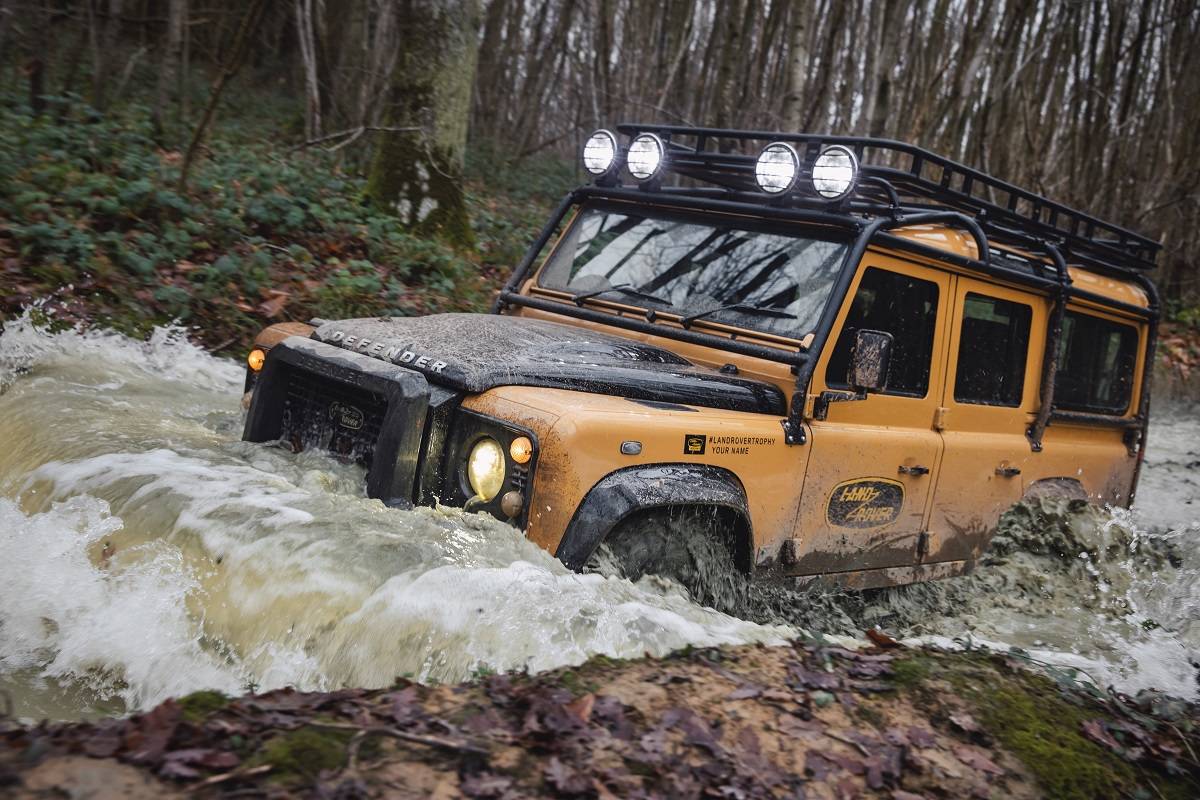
145, 552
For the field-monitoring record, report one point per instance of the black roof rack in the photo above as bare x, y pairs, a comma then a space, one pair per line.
898, 177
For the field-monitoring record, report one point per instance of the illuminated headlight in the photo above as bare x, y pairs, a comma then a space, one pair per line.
835, 172
599, 152
777, 168
485, 469
645, 156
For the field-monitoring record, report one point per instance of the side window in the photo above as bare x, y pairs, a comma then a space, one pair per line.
992, 350
1096, 359
905, 307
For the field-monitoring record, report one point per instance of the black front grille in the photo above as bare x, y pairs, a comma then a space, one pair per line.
342, 420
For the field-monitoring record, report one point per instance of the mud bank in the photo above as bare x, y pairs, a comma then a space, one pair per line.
800, 720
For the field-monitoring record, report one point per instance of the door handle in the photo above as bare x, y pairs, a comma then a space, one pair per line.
917, 470
1008, 472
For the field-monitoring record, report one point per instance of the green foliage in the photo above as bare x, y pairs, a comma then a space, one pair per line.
510, 199
89, 207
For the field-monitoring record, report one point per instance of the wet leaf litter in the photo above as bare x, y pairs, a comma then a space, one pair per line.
809, 719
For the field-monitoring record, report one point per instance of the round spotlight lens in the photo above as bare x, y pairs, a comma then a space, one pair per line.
256, 359
599, 152
485, 469
777, 168
521, 449
835, 172
645, 156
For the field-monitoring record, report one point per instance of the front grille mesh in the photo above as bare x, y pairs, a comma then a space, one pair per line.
328, 415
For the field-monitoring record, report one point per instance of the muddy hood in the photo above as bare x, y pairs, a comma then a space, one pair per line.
477, 352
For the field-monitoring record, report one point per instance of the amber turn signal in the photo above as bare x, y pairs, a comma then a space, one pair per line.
521, 449
256, 359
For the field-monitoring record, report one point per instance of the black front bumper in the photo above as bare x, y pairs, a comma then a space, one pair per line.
357, 408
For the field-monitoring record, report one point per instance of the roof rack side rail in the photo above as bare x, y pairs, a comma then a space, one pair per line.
726, 157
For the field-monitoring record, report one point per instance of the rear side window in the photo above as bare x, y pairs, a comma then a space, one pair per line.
905, 307
992, 350
1096, 359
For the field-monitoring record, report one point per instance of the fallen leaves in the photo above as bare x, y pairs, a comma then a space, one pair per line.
776, 723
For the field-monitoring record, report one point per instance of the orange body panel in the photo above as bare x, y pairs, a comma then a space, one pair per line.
580, 435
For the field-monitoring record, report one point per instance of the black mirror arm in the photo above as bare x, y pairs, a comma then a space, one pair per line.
826, 399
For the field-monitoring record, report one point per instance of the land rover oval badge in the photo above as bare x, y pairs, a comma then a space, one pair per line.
865, 503
346, 415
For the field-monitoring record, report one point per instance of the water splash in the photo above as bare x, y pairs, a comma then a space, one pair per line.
156, 553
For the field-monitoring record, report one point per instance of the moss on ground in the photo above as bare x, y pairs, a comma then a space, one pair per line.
911, 671
1029, 716
303, 753
198, 705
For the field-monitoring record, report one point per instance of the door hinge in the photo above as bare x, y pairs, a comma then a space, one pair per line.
922, 545
939, 418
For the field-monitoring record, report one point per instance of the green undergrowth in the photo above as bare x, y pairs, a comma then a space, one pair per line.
92, 216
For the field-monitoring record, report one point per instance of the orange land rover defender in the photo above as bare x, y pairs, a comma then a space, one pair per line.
827, 356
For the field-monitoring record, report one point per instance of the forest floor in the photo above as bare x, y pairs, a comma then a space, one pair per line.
805, 720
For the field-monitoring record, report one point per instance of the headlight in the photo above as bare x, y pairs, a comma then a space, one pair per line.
645, 156
485, 469
835, 172
599, 152
777, 168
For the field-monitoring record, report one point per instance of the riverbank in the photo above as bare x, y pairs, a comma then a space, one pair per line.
807, 719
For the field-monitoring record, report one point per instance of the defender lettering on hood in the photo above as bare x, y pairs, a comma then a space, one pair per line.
385, 351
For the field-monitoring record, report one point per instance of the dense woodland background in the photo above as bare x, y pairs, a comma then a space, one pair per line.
145, 142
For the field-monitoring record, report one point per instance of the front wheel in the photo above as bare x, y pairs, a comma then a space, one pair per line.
692, 546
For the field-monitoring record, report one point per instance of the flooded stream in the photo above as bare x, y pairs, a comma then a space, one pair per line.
145, 551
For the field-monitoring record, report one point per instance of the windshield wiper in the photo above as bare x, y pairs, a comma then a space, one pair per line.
626, 288
757, 309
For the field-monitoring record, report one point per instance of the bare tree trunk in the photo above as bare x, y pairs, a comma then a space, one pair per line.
168, 68
418, 175
237, 54
5, 15
308, 56
39, 53
798, 58
104, 53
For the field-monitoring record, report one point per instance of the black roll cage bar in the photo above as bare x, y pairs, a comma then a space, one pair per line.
875, 206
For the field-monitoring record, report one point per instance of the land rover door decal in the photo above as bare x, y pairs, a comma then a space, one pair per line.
865, 503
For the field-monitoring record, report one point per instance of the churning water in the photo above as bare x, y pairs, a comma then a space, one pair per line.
145, 551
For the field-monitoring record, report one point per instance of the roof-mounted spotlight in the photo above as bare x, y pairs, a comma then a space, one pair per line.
600, 153
777, 168
835, 172
645, 157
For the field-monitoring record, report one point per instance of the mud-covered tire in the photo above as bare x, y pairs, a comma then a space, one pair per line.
691, 545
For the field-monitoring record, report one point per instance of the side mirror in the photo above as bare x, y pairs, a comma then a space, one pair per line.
869, 361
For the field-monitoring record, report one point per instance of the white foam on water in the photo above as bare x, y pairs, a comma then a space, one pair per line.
118, 625
159, 555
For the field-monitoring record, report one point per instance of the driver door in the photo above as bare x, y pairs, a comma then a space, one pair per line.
867, 490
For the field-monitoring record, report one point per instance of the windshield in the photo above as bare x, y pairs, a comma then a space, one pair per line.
778, 282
